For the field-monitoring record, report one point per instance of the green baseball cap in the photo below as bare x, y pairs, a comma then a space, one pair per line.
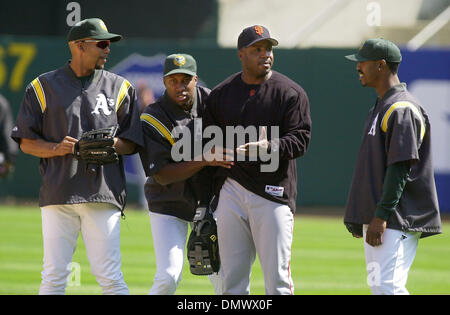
180, 63
377, 49
91, 28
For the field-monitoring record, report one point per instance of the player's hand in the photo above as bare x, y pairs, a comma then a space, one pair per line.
252, 149
66, 146
218, 156
375, 231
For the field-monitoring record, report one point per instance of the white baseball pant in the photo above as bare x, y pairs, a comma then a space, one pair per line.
249, 224
99, 224
388, 264
169, 241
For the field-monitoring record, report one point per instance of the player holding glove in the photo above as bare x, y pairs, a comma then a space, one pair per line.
58, 107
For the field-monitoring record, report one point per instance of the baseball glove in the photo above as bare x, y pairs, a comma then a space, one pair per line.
203, 245
97, 146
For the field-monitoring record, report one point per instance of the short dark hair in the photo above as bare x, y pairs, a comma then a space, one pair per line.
393, 66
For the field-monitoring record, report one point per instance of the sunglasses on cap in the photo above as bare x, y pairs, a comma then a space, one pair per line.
102, 44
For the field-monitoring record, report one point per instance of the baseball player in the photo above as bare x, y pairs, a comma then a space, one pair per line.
392, 201
255, 207
75, 196
8, 148
173, 188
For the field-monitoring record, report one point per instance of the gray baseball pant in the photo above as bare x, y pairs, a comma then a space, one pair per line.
249, 224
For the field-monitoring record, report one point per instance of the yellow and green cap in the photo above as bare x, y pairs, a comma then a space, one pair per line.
180, 63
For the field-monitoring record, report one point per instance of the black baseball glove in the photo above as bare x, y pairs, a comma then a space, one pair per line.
203, 244
97, 146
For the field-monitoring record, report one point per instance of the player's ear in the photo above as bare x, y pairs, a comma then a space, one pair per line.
240, 52
382, 64
80, 45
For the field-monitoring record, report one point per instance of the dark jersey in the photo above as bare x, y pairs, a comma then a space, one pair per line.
57, 105
397, 129
277, 103
158, 121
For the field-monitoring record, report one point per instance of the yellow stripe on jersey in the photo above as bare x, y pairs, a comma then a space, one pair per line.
155, 123
39, 91
404, 104
122, 93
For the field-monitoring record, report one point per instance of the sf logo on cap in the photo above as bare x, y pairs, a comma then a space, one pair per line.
259, 30
179, 61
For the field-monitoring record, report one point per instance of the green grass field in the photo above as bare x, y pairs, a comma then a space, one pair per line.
325, 258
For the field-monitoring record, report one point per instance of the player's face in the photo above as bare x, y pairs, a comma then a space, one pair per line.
180, 88
257, 59
96, 52
368, 73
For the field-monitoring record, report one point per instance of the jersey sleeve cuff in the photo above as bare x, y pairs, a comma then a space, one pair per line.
382, 213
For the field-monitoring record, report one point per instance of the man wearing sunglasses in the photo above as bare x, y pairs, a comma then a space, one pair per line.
58, 107
90, 51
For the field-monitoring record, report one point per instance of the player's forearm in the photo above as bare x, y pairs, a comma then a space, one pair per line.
177, 172
40, 148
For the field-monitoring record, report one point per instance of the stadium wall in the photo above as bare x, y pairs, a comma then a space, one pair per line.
339, 104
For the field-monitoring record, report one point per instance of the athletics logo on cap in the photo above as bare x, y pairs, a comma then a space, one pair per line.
179, 61
259, 30
103, 26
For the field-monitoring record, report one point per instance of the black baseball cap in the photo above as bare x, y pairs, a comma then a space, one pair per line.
253, 34
180, 63
377, 49
93, 28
